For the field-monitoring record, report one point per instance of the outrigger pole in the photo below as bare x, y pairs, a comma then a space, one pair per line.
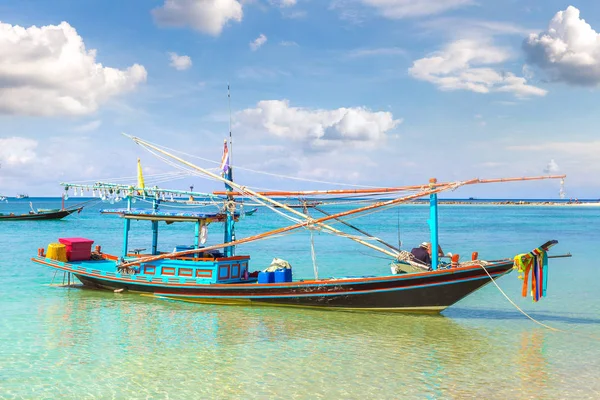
303, 224
243, 189
434, 188
391, 189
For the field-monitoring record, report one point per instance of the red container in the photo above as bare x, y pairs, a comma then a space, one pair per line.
78, 249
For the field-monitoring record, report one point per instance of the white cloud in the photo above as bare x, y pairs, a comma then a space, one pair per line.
48, 71
27, 163
579, 159
206, 16
465, 65
348, 11
461, 27
569, 50
318, 129
398, 9
288, 43
258, 42
17, 150
88, 127
283, 3
380, 51
552, 167
180, 63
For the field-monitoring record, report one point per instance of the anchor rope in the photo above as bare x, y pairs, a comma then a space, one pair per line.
529, 316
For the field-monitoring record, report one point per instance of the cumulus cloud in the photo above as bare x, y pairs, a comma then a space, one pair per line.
579, 159
552, 167
318, 129
569, 50
398, 9
258, 42
48, 71
180, 63
17, 150
206, 16
467, 64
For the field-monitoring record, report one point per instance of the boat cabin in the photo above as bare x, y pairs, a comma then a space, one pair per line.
201, 267
206, 267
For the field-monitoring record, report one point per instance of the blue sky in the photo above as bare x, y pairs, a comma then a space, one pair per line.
362, 92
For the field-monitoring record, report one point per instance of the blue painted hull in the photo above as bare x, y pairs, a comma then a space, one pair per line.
431, 291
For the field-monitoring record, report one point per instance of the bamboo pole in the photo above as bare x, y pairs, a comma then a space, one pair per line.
383, 242
262, 197
296, 226
389, 189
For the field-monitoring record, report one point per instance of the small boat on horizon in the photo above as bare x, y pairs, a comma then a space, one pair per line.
22, 196
41, 213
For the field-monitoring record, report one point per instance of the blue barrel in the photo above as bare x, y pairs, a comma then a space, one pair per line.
266, 277
283, 275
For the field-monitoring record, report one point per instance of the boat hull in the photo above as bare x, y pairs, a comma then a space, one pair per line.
40, 216
421, 292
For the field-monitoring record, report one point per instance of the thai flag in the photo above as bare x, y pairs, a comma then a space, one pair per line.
225, 159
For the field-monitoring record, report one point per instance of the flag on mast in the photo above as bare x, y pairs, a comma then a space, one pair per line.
140, 176
225, 159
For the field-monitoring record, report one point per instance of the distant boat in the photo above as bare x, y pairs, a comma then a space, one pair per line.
250, 212
22, 196
40, 214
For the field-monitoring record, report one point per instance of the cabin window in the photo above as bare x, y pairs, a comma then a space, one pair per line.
168, 271
235, 271
185, 272
149, 269
224, 271
203, 273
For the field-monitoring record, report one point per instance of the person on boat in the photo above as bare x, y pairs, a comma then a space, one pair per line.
423, 252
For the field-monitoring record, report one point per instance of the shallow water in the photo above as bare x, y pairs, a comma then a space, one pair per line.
60, 342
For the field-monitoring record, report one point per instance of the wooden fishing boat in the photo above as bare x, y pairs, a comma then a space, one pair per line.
40, 215
251, 211
216, 274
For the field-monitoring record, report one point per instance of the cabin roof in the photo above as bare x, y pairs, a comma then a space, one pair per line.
167, 216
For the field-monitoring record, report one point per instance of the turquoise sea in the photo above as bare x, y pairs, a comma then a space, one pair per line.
68, 343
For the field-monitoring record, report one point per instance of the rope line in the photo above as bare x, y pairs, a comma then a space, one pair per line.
529, 316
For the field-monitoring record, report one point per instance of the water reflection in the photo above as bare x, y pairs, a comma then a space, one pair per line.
246, 351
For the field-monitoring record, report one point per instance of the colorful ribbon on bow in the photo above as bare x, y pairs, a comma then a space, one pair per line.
535, 262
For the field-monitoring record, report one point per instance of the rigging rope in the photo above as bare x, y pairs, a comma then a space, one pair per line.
259, 172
